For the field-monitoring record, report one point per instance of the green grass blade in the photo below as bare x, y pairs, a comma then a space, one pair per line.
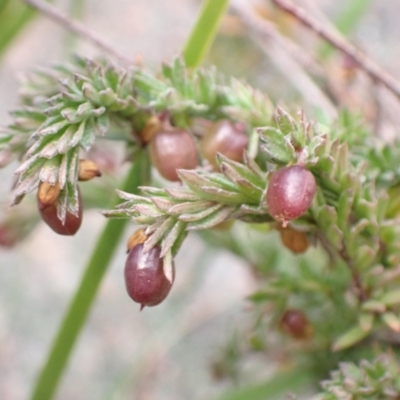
204, 31
80, 305
13, 18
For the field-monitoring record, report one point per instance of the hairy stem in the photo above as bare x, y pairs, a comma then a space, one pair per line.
80, 305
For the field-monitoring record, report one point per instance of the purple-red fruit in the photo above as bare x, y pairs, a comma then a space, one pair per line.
226, 138
172, 149
290, 193
72, 222
148, 280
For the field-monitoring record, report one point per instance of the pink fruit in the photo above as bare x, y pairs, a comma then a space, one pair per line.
172, 149
226, 138
290, 193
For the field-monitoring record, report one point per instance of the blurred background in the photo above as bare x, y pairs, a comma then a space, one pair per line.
172, 351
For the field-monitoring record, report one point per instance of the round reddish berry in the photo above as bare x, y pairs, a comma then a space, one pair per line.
290, 193
72, 222
226, 138
296, 324
172, 149
147, 279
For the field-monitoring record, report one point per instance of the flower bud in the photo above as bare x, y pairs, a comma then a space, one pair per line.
226, 138
172, 149
71, 224
148, 278
294, 240
88, 170
290, 193
47, 194
296, 324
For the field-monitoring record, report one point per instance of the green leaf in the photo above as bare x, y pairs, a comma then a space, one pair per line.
390, 298
366, 321
277, 147
392, 321
349, 338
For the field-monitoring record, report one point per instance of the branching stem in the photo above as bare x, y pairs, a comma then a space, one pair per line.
334, 38
77, 28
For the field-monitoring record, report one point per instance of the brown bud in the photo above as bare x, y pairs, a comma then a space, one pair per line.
71, 224
152, 127
138, 237
88, 170
296, 324
47, 194
294, 240
172, 149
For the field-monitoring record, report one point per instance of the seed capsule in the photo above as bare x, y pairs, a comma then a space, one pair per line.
296, 324
290, 193
226, 138
294, 240
172, 149
47, 194
88, 170
148, 280
72, 222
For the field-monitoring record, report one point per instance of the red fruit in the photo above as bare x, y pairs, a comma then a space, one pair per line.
226, 138
290, 193
172, 149
147, 280
72, 222
296, 324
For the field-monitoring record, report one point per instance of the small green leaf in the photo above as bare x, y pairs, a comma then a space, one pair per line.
285, 122
201, 214
392, 321
366, 321
390, 298
190, 207
214, 219
373, 306
277, 147
349, 338
327, 221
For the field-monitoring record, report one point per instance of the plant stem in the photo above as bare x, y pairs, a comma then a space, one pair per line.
80, 305
203, 33
78, 28
333, 37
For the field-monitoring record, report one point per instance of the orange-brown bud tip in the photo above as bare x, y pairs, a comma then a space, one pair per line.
138, 237
152, 127
47, 194
88, 170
